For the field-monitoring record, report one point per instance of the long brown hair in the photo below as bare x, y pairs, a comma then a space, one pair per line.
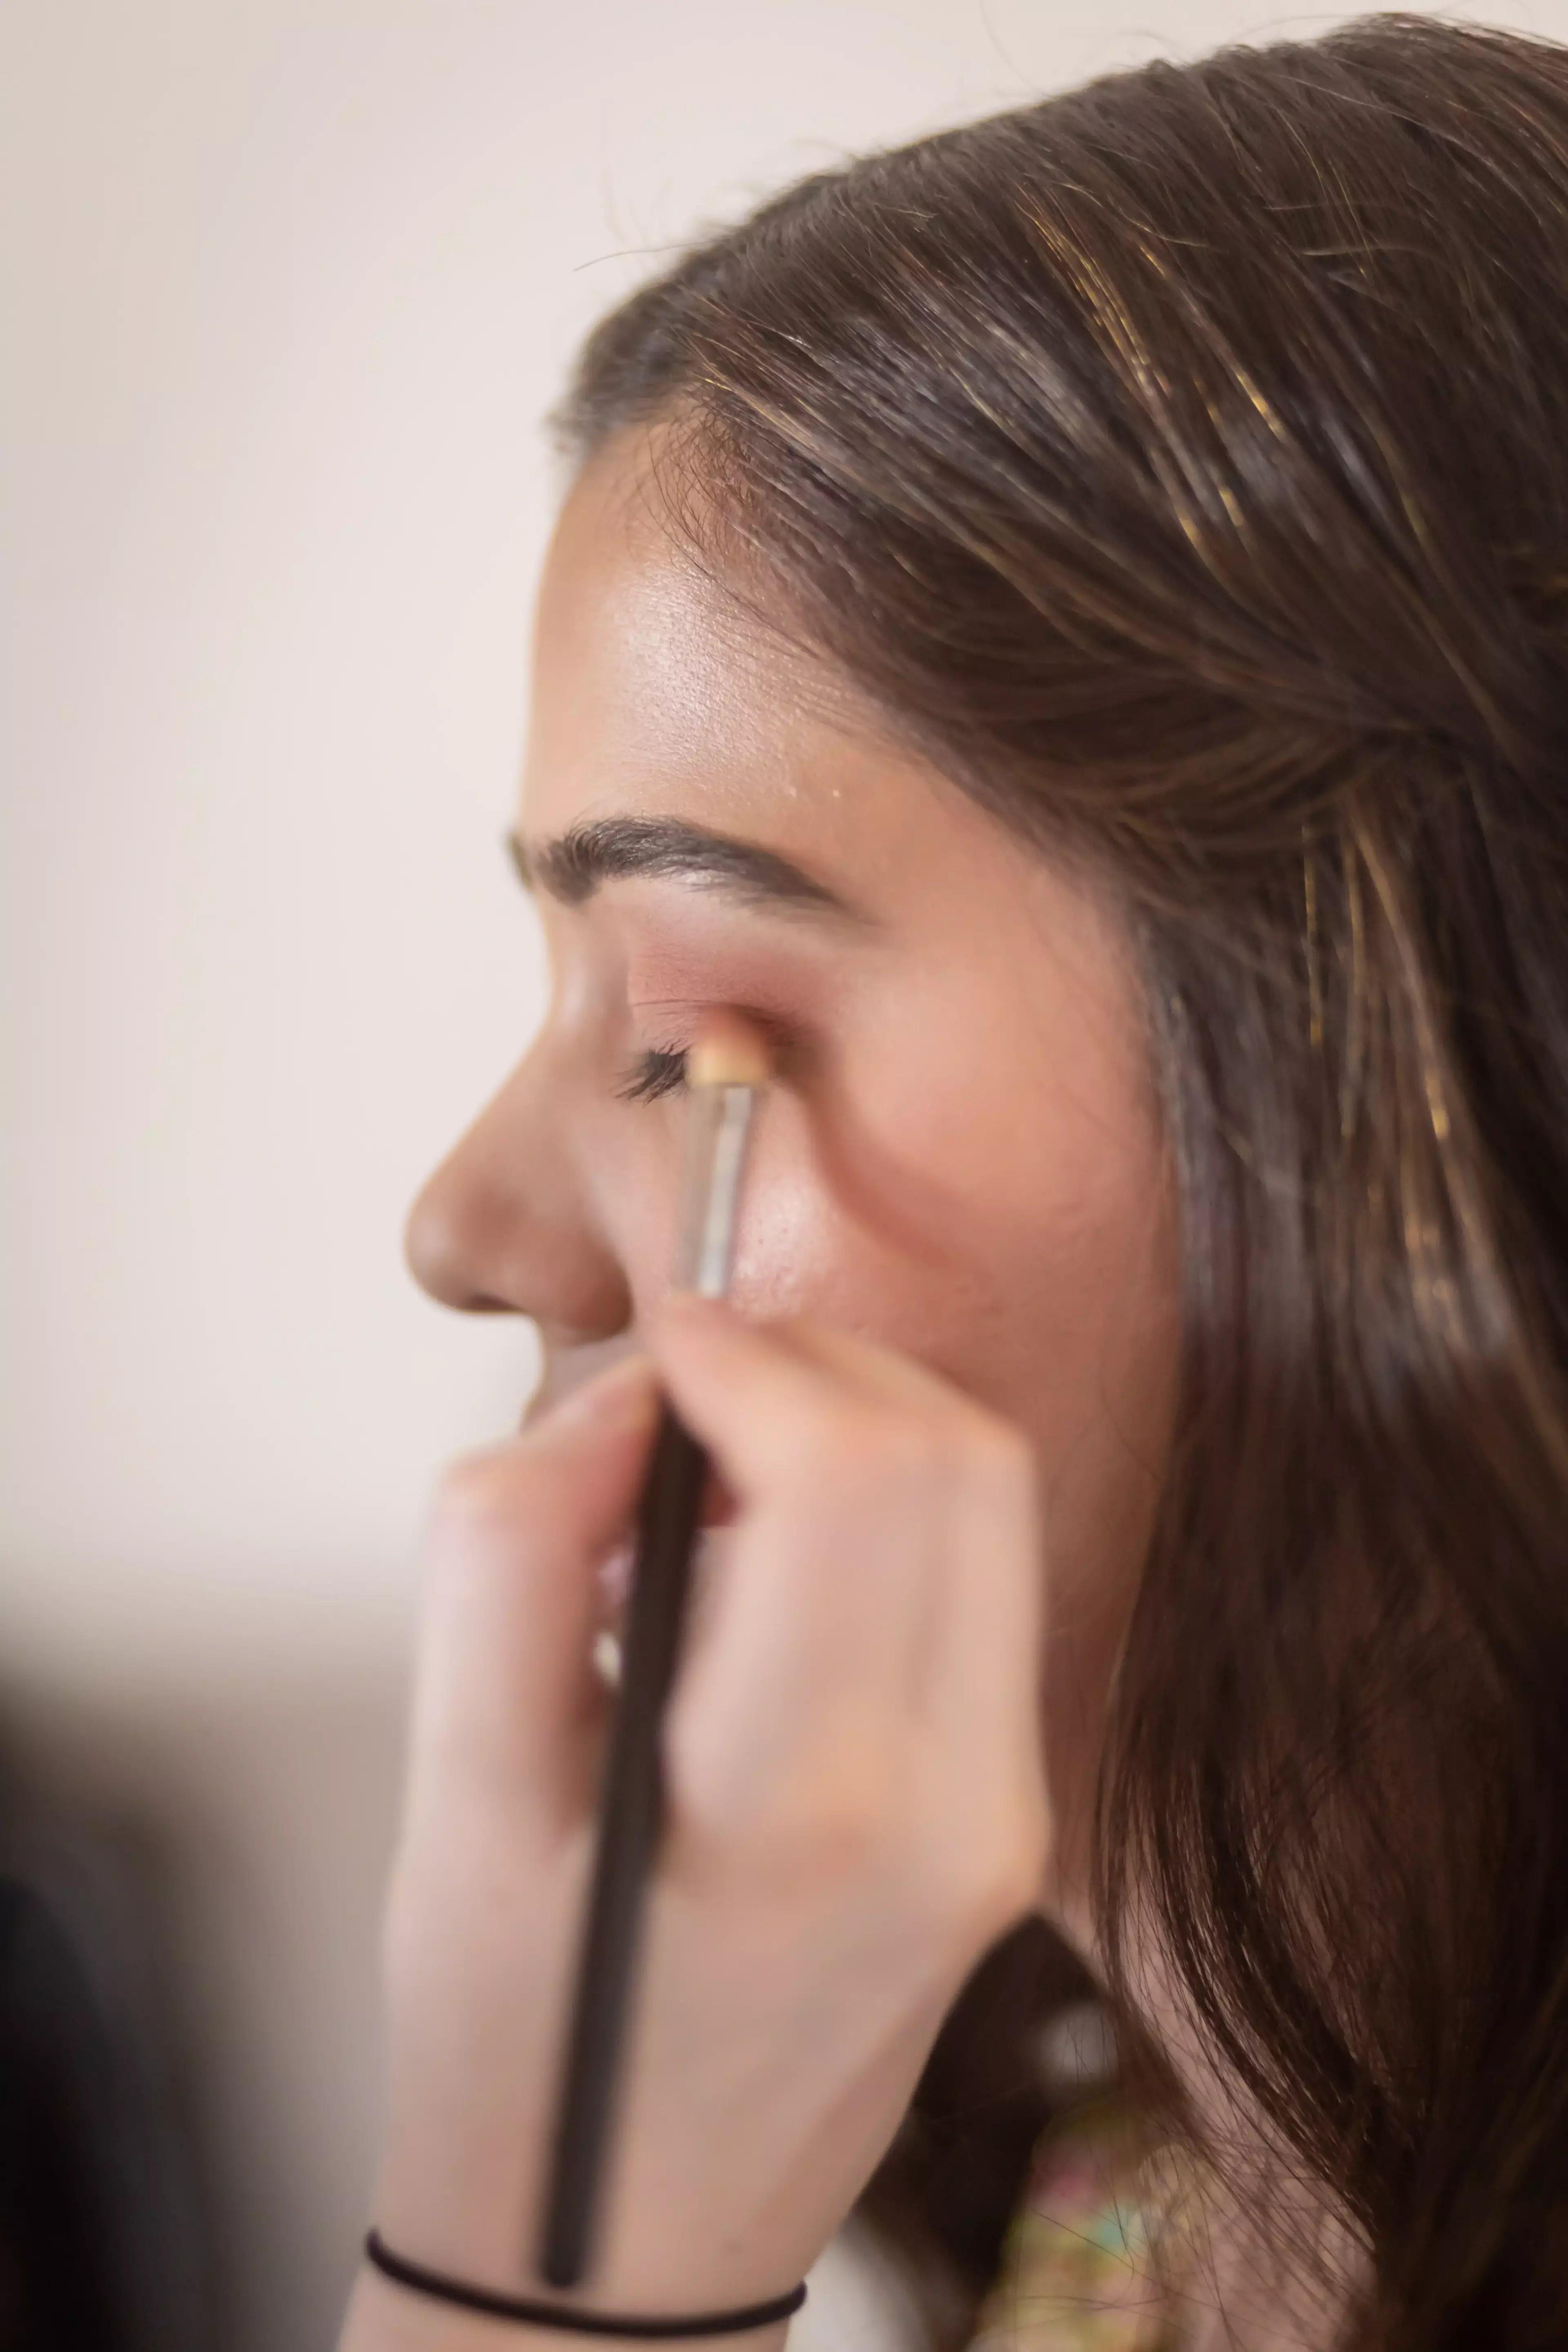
1183, 464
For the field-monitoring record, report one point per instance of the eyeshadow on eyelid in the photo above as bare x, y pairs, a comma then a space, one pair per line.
670, 982
689, 1000
724, 971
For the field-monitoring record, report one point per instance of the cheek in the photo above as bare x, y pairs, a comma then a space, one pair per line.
1035, 1268
1014, 1239
630, 1173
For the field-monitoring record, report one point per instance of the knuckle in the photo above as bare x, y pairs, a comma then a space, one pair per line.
960, 1451
909, 1449
797, 1828
820, 1847
479, 1494
830, 1450
997, 1457
876, 1455
1004, 1876
846, 1817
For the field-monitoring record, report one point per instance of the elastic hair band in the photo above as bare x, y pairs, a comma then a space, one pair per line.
435, 2284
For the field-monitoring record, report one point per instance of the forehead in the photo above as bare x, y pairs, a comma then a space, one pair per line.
657, 694
655, 690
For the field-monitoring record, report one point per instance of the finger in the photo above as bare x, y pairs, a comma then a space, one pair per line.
802, 1691
805, 1415
505, 1688
878, 1373
992, 1606
899, 1577
769, 1399
985, 1688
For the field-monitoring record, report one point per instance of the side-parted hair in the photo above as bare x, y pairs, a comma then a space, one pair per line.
1182, 465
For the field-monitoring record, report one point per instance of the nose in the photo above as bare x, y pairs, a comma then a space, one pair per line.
506, 1225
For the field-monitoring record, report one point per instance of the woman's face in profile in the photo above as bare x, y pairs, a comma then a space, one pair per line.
961, 1156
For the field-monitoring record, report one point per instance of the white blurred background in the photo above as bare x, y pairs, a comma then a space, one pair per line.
287, 285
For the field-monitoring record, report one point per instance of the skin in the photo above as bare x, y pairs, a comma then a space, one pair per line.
962, 1155
938, 1406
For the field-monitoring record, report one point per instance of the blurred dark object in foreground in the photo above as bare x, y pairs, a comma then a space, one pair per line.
1026, 2038
98, 2250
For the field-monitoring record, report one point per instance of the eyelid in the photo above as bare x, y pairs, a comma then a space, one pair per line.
657, 1070
680, 1017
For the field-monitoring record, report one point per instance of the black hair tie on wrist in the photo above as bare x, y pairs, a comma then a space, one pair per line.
485, 2299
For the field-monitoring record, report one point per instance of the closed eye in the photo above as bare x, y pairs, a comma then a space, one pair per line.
651, 1074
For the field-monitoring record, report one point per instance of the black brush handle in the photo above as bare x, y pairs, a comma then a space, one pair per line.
631, 1814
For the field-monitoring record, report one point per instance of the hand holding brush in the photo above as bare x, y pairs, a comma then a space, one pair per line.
850, 1810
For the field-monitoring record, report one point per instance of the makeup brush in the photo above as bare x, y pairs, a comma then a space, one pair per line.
726, 1070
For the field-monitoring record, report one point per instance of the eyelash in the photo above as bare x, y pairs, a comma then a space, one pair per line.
653, 1074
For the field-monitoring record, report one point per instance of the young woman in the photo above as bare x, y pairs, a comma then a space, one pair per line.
1066, 626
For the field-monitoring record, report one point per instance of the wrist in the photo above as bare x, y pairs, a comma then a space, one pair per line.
385, 2317
468, 2205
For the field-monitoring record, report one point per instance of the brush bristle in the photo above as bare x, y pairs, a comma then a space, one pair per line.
727, 1051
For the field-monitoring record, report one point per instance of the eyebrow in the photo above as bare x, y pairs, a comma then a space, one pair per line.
614, 848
